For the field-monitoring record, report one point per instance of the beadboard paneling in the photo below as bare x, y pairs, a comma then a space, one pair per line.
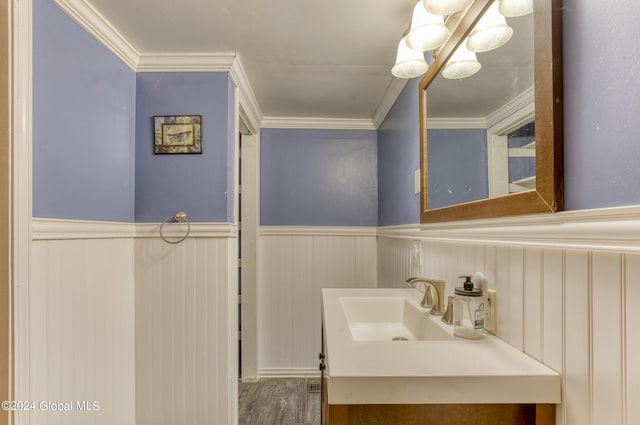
577, 384
81, 329
607, 350
186, 322
293, 269
572, 308
532, 308
632, 337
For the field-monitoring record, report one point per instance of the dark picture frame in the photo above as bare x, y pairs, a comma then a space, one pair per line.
177, 134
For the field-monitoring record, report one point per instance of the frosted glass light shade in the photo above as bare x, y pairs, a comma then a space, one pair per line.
515, 8
490, 32
409, 63
462, 64
445, 7
427, 30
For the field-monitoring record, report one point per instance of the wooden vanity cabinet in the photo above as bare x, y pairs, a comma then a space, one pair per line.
428, 414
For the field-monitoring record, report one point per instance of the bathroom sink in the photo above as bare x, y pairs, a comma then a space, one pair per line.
364, 365
392, 319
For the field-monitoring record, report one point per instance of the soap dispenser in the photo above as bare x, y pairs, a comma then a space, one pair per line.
468, 311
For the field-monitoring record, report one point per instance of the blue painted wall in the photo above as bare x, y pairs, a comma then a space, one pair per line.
196, 183
83, 123
398, 158
232, 134
602, 106
457, 165
318, 177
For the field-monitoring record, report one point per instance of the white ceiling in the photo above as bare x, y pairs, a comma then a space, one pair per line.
303, 58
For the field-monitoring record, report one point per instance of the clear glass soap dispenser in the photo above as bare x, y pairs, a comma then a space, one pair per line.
468, 311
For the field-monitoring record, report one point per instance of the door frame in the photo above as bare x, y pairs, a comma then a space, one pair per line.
20, 148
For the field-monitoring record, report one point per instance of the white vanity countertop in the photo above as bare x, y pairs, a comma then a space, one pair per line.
487, 370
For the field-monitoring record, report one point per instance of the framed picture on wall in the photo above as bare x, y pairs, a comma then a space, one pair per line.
177, 134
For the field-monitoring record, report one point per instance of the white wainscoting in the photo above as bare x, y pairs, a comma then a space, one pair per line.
81, 322
146, 328
571, 304
295, 264
186, 327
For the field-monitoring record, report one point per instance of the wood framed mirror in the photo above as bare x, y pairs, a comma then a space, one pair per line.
545, 193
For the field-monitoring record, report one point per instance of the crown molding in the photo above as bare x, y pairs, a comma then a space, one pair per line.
391, 94
318, 123
186, 62
96, 24
512, 114
250, 111
455, 123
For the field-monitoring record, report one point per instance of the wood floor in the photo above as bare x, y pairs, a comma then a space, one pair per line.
278, 402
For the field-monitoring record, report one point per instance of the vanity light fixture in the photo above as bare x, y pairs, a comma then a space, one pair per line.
462, 64
409, 63
490, 32
445, 7
427, 31
515, 8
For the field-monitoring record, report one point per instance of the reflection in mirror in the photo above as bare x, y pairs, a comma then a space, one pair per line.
473, 118
491, 143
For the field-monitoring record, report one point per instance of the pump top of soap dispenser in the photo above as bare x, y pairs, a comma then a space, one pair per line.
467, 288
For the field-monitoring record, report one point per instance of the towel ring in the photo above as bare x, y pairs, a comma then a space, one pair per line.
180, 217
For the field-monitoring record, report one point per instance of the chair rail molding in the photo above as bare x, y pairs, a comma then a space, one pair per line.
60, 229
604, 229
317, 231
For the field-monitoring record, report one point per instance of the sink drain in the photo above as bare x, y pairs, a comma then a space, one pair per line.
399, 338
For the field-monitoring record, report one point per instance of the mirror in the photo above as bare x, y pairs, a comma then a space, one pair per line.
491, 143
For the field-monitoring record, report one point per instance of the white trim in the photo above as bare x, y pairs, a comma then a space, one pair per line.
186, 62
289, 373
606, 229
198, 230
250, 111
21, 192
61, 229
97, 25
317, 231
318, 123
512, 114
249, 242
391, 94
450, 123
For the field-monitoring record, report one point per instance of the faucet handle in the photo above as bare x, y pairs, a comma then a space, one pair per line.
429, 301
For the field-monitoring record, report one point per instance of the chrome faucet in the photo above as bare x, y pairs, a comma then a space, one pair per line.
437, 305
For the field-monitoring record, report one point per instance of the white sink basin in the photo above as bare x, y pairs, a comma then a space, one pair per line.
395, 319
365, 366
